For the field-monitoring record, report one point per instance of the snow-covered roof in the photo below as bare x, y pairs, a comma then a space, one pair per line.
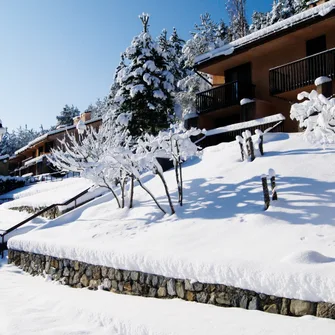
52, 132
34, 160
3, 157
227, 49
247, 124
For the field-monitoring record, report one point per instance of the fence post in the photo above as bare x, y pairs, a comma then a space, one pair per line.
239, 139
272, 175
260, 134
265, 192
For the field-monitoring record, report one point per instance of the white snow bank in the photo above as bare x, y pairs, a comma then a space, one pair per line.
308, 257
46, 193
246, 124
246, 101
221, 234
322, 80
229, 48
31, 305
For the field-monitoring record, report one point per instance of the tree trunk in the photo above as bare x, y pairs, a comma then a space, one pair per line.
151, 195
131, 192
181, 184
166, 192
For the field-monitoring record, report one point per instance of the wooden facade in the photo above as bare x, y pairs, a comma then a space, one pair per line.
272, 69
32, 158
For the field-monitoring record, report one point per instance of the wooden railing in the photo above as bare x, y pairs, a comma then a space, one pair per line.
223, 96
302, 72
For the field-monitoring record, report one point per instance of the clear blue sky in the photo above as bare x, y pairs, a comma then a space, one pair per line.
57, 52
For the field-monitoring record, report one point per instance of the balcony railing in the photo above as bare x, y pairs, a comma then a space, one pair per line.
302, 72
223, 96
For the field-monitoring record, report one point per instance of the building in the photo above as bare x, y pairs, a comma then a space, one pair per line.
269, 67
32, 159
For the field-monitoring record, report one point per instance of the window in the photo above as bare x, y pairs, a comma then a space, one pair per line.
48, 146
316, 45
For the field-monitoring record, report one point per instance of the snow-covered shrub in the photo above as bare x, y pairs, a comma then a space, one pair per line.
316, 114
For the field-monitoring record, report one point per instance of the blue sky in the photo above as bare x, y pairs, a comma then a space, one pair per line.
57, 52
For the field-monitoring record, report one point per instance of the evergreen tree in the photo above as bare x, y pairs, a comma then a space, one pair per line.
67, 114
145, 85
259, 20
238, 25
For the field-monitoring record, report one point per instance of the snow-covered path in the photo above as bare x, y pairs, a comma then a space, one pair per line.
32, 305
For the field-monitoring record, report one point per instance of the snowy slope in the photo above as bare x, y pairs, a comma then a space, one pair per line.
45, 193
221, 235
30, 305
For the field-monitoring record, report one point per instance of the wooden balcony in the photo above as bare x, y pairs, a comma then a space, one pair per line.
223, 96
302, 72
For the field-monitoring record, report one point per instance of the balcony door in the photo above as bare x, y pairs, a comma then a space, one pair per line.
315, 68
316, 45
240, 76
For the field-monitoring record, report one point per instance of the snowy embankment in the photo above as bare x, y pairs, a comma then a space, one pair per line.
31, 305
221, 234
46, 193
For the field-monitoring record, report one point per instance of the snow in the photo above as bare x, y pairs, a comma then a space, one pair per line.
229, 48
32, 305
3, 157
34, 160
246, 124
246, 101
45, 193
322, 80
221, 234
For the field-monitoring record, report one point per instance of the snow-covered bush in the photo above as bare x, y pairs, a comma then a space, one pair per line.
316, 114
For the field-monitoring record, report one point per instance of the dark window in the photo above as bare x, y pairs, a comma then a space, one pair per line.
49, 146
316, 45
40, 150
240, 73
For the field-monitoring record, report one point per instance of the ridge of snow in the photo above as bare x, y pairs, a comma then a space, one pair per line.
321, 80
3, 157
247, 124
229, 48
246, 101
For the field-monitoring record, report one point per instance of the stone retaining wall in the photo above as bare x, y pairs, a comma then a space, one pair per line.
50, 214
82, 275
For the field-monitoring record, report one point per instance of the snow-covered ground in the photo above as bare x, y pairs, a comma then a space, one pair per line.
222, 234
45, 193
32, 305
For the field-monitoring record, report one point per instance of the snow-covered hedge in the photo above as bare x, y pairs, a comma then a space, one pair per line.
8, 184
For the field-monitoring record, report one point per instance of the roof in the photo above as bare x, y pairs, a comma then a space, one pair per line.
3, 157
52, 132
267, 32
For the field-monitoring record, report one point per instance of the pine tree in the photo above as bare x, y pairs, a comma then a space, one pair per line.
238, 25
145, 85
67, 114
259, 20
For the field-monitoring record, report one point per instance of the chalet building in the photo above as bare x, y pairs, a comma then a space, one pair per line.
269, 67
32, 159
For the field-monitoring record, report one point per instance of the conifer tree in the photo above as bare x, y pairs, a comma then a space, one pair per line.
67, 114
145, 85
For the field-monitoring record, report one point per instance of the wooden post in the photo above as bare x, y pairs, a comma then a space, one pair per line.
239, 139
272, 176
265, 192
251, 149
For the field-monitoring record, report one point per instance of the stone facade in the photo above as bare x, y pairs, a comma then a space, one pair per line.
50, 214
82, 275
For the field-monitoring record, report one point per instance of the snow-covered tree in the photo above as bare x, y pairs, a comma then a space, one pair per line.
145, 85
238, 25
99, 108
316, 114
67, 114
12, 141
259, 20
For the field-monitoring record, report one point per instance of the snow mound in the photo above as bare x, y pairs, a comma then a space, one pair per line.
308, 257
322, 80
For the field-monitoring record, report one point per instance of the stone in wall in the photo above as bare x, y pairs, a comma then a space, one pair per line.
81, 275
